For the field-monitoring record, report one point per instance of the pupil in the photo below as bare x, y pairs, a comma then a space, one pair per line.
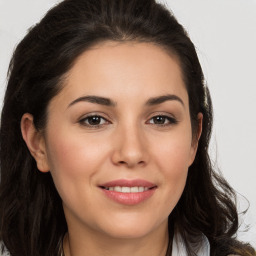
159, 120
94, 120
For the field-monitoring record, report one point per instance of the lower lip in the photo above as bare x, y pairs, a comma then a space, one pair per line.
129, 198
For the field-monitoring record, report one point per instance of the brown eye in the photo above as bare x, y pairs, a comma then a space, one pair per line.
162, 120
94, 120
159, 119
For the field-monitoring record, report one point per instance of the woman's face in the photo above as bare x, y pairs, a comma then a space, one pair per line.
118, 140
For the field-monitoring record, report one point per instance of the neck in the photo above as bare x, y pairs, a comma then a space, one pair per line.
155, 244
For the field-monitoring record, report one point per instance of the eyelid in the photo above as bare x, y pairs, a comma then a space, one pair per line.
161, 113
96, 113
172, 119
101, 115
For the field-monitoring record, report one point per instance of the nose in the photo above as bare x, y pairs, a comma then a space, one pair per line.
130, 148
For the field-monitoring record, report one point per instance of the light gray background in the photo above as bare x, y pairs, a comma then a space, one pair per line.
224, 32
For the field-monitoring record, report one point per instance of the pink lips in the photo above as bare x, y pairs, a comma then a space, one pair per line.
130, 198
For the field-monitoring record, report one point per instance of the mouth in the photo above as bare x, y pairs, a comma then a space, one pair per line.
128, 192
127, 189
128, 186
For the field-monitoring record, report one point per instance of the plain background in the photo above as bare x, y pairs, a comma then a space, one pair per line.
224, 33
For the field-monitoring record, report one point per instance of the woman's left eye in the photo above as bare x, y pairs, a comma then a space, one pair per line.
162, 120
93, 121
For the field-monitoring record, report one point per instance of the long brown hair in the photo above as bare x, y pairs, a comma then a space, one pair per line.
32, 222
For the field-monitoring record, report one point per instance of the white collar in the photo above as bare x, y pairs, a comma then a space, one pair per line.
179, 249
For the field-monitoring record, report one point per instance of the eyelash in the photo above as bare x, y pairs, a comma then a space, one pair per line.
171, 120
86, 121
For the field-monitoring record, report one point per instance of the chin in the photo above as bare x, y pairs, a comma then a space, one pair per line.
128, 233
134, 229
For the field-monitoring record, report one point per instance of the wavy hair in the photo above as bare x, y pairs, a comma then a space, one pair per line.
32, 222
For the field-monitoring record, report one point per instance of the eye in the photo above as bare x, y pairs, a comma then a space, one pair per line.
93, 121
162, 120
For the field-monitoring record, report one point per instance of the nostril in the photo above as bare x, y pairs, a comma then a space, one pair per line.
127, 163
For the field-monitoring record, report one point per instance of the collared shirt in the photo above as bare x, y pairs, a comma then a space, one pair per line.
179, 249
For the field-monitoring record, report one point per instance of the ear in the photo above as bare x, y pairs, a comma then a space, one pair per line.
196, 137
35, 142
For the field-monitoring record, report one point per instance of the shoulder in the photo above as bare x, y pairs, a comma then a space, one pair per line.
4, 253
3, 250
201, 248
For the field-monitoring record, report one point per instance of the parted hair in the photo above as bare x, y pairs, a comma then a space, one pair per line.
32, 222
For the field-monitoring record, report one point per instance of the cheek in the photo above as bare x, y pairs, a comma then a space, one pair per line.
173, 152
73, 161
175, 169
68, 153
172, 156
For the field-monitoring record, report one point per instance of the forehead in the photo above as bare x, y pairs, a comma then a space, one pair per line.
130, 69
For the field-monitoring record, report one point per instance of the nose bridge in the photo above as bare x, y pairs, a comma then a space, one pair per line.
133, 138
131, 144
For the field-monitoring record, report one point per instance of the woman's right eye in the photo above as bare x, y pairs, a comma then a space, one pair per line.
93, 121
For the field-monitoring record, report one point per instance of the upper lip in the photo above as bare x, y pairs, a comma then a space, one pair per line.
129, 183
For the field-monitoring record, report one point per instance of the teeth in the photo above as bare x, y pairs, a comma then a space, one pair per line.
117, 189
127, 189
141, 189
134, 189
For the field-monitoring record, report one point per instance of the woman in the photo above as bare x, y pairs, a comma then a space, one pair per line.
104, 135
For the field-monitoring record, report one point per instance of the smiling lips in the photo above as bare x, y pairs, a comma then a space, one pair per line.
128, 192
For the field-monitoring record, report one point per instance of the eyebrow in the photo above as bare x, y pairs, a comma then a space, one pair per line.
94, 99
162, 99
108, 102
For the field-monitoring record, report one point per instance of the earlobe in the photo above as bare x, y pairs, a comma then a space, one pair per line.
196, 138
35, 142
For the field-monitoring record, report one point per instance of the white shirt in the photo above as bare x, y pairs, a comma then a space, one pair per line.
178, 247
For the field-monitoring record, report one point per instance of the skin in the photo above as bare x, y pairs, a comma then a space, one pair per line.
128, 143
